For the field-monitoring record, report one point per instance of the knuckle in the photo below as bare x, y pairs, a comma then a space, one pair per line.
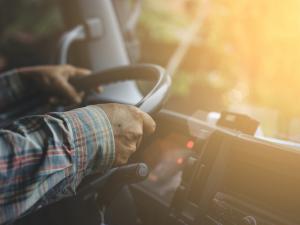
132, 108
132, 149
67, 66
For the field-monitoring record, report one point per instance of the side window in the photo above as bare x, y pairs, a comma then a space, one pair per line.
29, 30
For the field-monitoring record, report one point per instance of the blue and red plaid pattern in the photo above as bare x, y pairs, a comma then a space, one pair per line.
42, 154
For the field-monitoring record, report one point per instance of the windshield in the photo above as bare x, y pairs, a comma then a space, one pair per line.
242, 57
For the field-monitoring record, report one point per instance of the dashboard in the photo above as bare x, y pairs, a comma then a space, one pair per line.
225, 178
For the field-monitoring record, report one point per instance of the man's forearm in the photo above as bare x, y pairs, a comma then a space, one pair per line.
41, 152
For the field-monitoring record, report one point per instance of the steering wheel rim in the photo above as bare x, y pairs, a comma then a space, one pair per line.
155, 98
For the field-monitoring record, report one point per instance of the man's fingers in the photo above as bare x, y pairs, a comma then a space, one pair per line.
148, 123
80, 72
69, 91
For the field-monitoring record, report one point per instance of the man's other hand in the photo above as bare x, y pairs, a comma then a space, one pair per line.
129, 124
55, 80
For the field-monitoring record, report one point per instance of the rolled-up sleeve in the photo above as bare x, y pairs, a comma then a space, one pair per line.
92, 137
39, 154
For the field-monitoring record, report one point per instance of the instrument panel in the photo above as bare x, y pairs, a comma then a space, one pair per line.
226, 178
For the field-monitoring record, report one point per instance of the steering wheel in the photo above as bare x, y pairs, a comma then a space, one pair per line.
152, 102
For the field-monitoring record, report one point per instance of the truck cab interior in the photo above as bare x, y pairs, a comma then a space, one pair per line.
191, 171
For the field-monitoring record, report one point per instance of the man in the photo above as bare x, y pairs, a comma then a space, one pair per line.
48, 155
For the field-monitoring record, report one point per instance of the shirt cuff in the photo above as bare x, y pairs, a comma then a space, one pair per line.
92, 138
18, 88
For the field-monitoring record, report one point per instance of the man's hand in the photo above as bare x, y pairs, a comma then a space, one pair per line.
129, 124
55, 80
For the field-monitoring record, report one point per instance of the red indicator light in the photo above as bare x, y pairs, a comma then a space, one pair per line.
190, 144
179, 161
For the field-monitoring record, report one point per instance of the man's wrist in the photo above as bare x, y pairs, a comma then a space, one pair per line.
17, 85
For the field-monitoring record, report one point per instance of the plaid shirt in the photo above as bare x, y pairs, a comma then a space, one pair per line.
44, 158
13, 89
